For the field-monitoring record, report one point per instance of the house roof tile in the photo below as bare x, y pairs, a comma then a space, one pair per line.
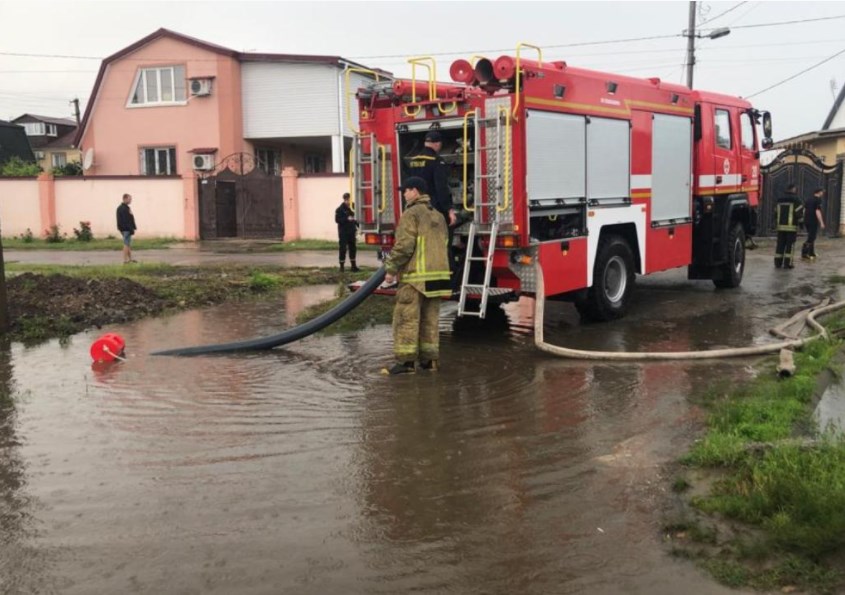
48, 120
13, 142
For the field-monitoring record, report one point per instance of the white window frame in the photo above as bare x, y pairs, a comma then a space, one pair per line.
56, 157
170, 167
52, 130
269, 160
312, 161
35, 128
141, 79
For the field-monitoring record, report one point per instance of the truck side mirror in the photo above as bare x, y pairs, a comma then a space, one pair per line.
766, 143
767, 125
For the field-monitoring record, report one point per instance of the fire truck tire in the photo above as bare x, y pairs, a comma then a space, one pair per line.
613, 280
731, 274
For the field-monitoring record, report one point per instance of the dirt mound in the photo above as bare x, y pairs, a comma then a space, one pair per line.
81, 303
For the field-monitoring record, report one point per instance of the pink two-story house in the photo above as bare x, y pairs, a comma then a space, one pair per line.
172, 105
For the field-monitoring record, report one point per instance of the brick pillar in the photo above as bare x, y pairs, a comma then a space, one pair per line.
47, 200
191, 207
290, 203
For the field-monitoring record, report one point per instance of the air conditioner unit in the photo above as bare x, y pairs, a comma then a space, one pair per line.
203, 162
200, 87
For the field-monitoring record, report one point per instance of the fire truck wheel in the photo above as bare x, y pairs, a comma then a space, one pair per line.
613, 280
730, 274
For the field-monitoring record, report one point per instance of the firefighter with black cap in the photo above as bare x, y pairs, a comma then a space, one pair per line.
789, 215
429, 165
419, 261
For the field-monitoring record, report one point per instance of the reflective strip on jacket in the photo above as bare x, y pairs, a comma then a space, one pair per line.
420, 253
789, 214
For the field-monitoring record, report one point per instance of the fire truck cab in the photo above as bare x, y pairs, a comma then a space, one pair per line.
593, 177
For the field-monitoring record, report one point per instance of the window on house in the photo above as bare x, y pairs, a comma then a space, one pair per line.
746, 129
269, 161
59, 159
158, 161
165, 84
35, 128
723, 128
315, 163
52, 130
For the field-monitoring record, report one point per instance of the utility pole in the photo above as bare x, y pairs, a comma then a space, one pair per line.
75, 103
691, 43
691, 36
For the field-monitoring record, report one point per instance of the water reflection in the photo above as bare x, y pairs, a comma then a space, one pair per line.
22, 566
303, 470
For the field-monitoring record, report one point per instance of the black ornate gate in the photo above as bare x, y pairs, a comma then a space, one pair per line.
238, 199
804, 169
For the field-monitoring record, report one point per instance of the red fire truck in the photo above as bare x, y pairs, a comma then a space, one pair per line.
595, 177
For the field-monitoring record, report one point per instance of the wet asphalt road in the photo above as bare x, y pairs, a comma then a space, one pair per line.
304, 471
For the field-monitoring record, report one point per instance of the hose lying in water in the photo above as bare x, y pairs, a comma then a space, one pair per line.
293, 334
539, 306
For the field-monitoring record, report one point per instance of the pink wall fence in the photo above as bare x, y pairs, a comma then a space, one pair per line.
163, 207
159, 205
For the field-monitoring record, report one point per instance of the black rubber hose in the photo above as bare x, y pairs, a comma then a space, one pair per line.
293, 334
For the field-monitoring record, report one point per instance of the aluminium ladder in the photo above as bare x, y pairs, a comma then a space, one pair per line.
496, 202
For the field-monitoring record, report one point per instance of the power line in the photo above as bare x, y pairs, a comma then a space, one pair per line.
840, 16
545, 47
797, 74
721, 14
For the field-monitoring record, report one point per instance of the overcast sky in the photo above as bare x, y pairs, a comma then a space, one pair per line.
382, 34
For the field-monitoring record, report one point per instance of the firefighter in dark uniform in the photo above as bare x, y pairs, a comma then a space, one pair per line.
347, 228
429, 165
813, 219
789, 216
419, 257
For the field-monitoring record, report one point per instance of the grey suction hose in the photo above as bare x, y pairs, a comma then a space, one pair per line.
294, 334
539, 306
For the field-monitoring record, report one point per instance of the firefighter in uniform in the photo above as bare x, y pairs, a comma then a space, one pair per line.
420, 257
788, 216
429, 165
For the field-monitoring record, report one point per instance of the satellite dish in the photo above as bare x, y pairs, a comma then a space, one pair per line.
88, 159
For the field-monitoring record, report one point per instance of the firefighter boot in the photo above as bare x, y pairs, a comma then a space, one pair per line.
399, 368
354, 268
432, 365
342, 267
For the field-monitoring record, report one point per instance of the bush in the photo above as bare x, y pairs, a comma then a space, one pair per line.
27, 236
84, 233
18, 168
53, 235
73, 168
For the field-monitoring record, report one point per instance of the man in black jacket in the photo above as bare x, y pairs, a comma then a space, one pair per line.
347, 229
429, 165
813, 219
126, 227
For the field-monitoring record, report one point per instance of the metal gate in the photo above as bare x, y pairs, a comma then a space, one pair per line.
237, 199
804, 169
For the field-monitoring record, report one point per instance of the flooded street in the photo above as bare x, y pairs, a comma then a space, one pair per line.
303, 470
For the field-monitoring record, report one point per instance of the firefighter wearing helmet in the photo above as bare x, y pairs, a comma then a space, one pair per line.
788, 217
419, 256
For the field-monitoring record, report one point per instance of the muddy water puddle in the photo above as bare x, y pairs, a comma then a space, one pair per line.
303, 470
